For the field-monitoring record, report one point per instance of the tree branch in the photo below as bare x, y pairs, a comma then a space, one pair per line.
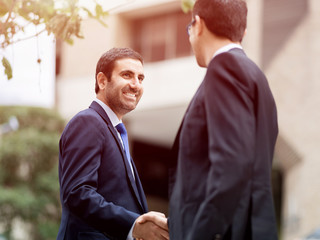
29, 37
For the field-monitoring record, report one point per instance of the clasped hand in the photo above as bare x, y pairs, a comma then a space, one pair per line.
151, 226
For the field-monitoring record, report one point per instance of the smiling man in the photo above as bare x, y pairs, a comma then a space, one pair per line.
100, 191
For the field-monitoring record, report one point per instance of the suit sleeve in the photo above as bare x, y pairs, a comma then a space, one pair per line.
80, 155
231, 132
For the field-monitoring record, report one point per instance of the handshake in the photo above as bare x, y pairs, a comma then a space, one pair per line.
151, 226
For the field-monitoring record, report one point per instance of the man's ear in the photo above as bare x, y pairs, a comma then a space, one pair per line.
199, 25
244, 34
102, 80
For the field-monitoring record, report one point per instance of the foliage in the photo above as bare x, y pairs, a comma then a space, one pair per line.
60, 17
7, 67
29, 188
187, 5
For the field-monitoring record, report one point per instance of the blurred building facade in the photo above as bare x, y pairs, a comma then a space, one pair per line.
283, 39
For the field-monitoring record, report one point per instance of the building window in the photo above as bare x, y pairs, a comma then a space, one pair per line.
162, 37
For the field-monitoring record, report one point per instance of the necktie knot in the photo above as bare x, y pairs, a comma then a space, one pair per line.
121, 129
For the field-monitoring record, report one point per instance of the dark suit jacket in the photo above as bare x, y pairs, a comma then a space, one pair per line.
224, 151
99, 197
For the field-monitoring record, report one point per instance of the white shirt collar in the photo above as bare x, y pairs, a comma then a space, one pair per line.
112, 116
226, 48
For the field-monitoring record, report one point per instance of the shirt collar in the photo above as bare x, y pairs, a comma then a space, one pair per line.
226, 48
112, 116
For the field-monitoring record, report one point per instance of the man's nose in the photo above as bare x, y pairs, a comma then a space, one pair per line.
135, 83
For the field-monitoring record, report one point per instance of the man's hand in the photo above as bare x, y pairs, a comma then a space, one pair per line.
151, 226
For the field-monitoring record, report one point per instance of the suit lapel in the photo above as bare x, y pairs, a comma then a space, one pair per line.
173, 162
95, 106
139, 187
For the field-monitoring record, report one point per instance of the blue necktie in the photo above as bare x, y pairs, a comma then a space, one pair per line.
123, 133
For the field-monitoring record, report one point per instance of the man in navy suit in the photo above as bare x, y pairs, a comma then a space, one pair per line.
221, 186
100, 190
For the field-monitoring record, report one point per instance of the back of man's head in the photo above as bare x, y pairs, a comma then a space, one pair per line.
224, 18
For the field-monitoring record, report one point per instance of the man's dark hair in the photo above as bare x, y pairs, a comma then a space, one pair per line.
107, 60
224, 18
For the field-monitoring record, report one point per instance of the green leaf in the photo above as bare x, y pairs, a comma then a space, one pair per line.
99, 10
69, 41
87, 11
102, 23
7, 68
187, 5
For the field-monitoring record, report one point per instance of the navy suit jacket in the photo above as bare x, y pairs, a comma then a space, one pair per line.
99, 197
223, 155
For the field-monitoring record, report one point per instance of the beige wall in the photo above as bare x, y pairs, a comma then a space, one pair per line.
252, 41
294, 78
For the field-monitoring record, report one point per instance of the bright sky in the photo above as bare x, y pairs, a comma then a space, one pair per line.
32, 84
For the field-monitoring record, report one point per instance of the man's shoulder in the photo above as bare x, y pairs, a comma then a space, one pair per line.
235, 54
87, 117
236, 68
87, 120
234, 60
86, 113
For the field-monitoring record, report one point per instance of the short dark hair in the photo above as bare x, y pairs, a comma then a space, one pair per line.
224, 18
107, 60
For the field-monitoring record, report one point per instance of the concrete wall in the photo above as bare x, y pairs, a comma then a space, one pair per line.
294, 77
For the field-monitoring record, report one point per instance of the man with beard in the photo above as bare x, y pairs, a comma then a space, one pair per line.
100, 190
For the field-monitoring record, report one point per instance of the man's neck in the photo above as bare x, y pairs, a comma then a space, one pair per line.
111, 114
214, 45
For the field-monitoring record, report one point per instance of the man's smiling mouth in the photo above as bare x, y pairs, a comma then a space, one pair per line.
131, 95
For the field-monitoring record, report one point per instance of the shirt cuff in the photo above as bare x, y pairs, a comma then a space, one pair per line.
129, 237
